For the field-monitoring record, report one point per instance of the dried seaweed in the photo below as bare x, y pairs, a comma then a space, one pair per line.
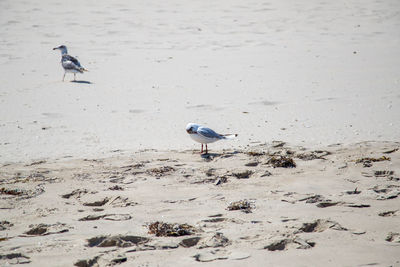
116, 187
282, 162
13, 192
383, 173
368, 159
242, 205
170, 229
161, 170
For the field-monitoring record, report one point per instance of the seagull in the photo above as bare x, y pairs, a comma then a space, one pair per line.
205, 135
69, 63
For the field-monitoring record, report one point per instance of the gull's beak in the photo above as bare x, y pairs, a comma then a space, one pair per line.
55, 48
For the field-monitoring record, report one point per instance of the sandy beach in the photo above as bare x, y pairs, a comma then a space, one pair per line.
272, 205
101, 171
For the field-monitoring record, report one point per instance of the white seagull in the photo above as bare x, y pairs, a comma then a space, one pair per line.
205, 135
69, 63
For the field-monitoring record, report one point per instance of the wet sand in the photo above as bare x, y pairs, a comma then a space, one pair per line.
266, 70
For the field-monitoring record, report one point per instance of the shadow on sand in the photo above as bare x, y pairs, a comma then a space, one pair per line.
210, 156
80, 81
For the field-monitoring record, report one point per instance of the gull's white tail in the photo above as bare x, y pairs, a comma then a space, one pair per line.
229, 136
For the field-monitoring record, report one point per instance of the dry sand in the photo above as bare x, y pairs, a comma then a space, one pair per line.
337, 207
87, 166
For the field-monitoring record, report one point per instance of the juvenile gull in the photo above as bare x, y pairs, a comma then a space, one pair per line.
69, 63
205, 135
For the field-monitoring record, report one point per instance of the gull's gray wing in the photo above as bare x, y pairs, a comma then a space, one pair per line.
72, 59
68, 65
207, 132
71, 63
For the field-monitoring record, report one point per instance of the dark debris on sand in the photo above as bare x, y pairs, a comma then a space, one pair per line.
255, 153
316, 154
242, 205
46, 229
242, 174
116, 241
313, 199
76, 193
98, 203
4, 225
170, 229
388, 213
393, 237
160, 171
367, 162
116, 187
15, 258
190, 242
22, 193
284, 243
362, 160
87, 263
353, 192
281, 162
13, 192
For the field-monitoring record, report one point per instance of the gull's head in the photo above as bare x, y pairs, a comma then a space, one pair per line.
191, 128
62, 48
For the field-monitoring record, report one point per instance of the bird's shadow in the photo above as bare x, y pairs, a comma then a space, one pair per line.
81, 81
210, 156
